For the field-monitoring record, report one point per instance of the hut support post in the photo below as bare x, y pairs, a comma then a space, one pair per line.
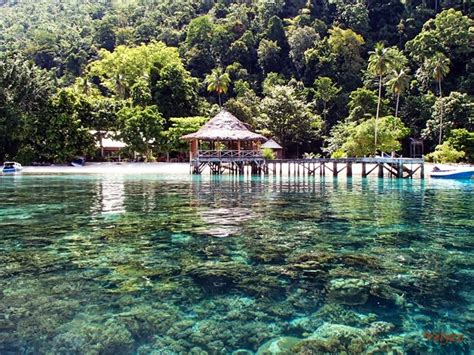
193, 148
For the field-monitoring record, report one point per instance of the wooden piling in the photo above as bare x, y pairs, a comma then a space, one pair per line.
349, 169
400, 170
380, 170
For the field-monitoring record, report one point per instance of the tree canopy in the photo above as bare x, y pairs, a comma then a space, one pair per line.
297, 70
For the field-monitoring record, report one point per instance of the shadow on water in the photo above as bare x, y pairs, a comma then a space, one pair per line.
132, 264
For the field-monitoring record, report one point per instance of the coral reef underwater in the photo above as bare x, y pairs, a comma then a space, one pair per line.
125, 265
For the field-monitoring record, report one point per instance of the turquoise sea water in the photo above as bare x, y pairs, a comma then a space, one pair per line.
129, 264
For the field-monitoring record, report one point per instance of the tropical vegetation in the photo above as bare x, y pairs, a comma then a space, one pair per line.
334, 77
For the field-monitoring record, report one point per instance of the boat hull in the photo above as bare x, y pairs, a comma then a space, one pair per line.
453, 174
10, 171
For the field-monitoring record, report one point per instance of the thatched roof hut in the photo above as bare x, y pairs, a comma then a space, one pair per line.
224, 127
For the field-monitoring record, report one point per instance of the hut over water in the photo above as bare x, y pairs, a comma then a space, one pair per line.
223, 135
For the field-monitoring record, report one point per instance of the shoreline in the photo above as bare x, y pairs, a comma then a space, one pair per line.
164, 169
111, 168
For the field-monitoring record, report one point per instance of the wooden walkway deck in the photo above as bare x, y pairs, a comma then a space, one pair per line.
256, 165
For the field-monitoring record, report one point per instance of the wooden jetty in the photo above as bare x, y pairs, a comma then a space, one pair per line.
225, 145
402, 168
252, 162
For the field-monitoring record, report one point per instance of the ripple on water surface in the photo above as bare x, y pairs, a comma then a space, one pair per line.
131, 264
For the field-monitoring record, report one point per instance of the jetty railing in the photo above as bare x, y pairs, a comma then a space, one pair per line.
229, 154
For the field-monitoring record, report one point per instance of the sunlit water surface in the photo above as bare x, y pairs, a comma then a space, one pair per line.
129, 264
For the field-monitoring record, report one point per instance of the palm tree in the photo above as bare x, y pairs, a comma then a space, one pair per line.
398, 84
380, 62
218, 81
439, 67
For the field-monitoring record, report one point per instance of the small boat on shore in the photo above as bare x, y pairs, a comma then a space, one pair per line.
79, 162
11, 167
457, 173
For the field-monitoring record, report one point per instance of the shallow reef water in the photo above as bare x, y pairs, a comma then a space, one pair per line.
202, 265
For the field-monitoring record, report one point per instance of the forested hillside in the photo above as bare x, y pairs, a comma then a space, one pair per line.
319, 76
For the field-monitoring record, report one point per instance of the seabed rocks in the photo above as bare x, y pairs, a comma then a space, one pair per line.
280, 345
348, 291
219, 274
295, 279
339, 339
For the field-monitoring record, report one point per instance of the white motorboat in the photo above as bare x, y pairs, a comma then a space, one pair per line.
11, 167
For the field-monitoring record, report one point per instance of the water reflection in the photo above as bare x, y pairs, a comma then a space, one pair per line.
110, 196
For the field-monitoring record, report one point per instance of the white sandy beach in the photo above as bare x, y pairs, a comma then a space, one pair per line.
112, 168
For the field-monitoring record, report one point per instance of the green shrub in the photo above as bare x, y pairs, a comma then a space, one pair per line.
310, 156
338, 154
26, 155
463, 140
390, 131
268, 154
445, 153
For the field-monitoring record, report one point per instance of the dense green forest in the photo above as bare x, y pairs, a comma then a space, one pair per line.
320, 76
